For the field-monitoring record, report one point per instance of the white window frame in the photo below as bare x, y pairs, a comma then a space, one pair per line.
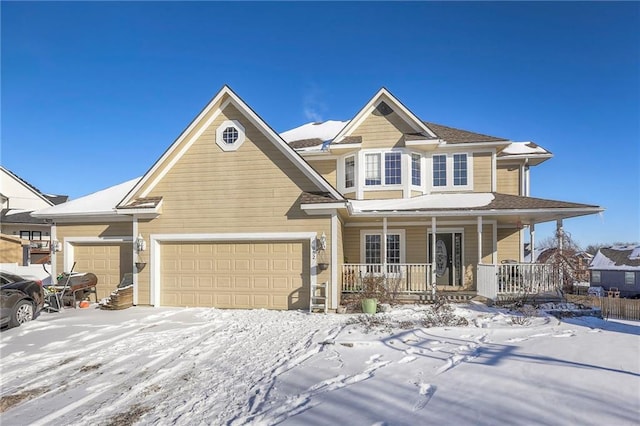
449, 163
627, 275
420, 169
403, 243
384, 167
235, 124
345, 170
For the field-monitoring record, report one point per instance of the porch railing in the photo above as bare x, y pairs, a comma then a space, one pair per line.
404, 278
517, 278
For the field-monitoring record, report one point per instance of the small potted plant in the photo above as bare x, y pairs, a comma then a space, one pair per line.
372, 288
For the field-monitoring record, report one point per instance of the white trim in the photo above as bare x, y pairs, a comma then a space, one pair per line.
157, 239
53, 232
378, 231
135, 256
494, 172
335, 223
289, 152
432, 249
234, 124
494, 254
69, 242
450, 169
174, 146
383, 95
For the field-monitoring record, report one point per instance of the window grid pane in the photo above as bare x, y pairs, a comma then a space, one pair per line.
392, 168
372, 249
416, 177
595, 276
372, 169
439, 170
629, 278
349, 172
393, 248
459, 169
230, 135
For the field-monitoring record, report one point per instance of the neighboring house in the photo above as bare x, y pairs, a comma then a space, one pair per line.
235, 215
617, 267
19, 199
577, 261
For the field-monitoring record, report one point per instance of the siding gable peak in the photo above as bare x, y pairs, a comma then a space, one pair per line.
199, 124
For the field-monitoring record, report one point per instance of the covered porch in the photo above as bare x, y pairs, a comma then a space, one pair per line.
493, 281
472, 249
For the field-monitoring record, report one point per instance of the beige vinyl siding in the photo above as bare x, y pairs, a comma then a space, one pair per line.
95, 230
271, 275
416, 244
509, 244
351, 243
327, 168
350, 195
109, 262
382, 195
255, 189
508, 179
482, 167
382, 131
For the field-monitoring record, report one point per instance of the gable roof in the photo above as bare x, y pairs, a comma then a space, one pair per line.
622, 258
224, 97
383, 95
49, 199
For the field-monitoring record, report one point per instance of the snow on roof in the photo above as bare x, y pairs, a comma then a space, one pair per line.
524, 148
324, 131
619, 258
101, 202
432, 201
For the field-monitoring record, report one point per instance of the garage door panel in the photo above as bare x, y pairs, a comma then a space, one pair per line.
109, 262
235, 274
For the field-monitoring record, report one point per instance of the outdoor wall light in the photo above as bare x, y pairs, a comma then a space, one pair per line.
141, 244
323, 241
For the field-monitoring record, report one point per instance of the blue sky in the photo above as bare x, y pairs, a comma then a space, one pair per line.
93, 93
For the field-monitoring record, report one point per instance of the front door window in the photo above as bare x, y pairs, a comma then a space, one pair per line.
448, 258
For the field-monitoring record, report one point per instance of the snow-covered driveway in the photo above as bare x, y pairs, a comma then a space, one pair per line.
175, 365
221, 367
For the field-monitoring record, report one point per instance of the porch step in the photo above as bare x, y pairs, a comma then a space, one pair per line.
318, 297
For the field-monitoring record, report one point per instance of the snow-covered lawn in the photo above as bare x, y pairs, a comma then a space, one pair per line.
217, 367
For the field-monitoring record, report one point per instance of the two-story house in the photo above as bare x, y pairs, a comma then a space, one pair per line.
19, 198
235, 215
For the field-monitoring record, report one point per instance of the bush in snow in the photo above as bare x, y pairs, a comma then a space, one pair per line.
442, 314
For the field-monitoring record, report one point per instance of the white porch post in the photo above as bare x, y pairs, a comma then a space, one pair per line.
559, 234
384, 245
135, 258
479, 239
433, 256
532, 244
54, 253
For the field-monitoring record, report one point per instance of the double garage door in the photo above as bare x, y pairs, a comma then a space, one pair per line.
108, 261
272, 275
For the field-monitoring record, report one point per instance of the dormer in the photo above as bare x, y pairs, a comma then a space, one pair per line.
385, 151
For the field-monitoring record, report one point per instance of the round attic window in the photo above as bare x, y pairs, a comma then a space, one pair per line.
230, 135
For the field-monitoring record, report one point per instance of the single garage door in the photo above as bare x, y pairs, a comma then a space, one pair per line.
108, 261
272, 275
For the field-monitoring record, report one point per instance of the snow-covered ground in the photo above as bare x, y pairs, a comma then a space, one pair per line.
165, 366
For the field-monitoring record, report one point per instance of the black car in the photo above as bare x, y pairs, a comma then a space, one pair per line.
22, 299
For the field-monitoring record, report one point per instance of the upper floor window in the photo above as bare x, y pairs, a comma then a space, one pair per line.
439, 170
452, 171
459, 169
373, 173
416, 175
629, 278
349, 172
392, 168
